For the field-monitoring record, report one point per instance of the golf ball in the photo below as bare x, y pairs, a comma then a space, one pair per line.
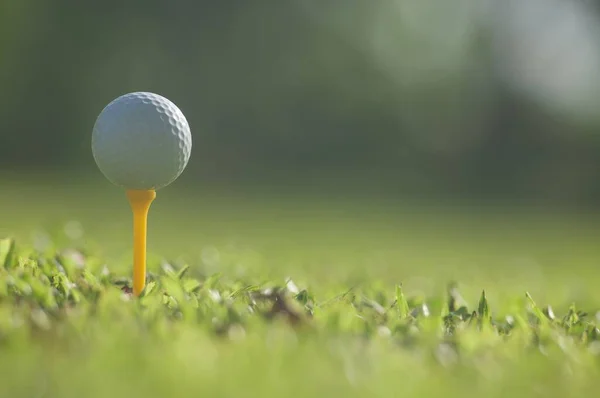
141, 141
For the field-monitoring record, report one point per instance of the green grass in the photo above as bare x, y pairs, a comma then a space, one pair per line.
294, 296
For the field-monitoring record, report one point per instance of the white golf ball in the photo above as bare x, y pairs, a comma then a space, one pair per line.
141, 141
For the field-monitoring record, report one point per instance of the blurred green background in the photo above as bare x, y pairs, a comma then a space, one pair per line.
434, 99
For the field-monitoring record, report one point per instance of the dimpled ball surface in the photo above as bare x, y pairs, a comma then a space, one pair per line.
141, 141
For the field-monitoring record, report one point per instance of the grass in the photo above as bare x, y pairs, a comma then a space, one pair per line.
248, 297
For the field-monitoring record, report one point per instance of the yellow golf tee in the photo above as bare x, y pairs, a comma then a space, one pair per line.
140, 202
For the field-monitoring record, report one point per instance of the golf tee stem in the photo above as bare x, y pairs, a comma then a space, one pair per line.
140, 202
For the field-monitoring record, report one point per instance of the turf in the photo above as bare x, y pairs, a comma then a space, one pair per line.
249, 297
69, 327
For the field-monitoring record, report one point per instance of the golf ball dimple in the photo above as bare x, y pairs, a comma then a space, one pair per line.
141, 141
